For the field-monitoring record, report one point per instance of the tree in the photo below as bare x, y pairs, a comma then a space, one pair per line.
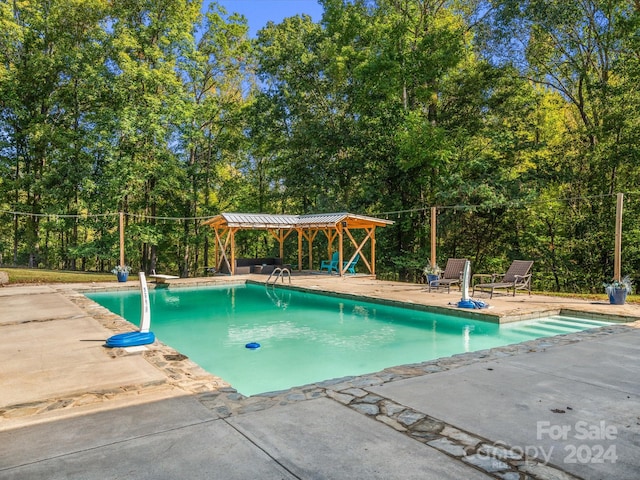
148, 98
50, 66
217, 74
576, 50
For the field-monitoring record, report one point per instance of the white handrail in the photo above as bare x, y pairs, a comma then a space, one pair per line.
145, 309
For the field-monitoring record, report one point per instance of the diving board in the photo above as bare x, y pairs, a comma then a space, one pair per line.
162, 278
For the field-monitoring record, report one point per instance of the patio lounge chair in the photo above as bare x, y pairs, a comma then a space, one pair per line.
330, 265
351, 268
517, 277
452, 274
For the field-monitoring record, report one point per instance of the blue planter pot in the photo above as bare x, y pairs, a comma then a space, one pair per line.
432, 278
618, 296
122, 276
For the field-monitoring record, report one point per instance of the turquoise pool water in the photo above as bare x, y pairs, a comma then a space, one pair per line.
306, 337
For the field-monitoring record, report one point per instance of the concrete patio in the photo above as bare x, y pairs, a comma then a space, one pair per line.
563, 407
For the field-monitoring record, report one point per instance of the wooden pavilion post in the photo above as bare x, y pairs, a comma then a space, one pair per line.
122, 239
617, 257
216, 252
299, 230
331, 233
281, 241
433, 236
373, 252
310, 236
232, 232
340, 249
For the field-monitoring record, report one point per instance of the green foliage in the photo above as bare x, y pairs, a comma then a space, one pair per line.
518, 120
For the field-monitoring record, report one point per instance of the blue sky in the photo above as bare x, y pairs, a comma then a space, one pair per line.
259, 12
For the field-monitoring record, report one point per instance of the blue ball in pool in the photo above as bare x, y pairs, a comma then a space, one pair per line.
252, 345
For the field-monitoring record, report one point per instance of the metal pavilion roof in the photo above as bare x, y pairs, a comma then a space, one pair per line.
259, 220
269, 221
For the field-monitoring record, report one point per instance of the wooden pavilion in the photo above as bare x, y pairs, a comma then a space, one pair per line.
335, 226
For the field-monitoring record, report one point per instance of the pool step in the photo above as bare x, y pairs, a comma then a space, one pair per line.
558, 326
580, 321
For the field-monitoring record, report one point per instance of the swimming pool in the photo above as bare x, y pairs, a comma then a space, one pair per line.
307, 337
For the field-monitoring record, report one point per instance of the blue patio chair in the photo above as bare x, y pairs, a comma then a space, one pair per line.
331, 265
351, 268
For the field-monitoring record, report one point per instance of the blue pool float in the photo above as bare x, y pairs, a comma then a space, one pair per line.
466, 304
252, 345
130, 339
472, 304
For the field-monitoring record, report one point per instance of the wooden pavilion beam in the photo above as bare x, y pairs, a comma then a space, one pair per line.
310, 235
280, 235
331, 233
221, 248
358, 247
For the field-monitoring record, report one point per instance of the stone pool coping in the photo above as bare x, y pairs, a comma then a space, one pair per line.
187, 377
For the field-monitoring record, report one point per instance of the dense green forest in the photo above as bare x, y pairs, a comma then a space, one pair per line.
518, 120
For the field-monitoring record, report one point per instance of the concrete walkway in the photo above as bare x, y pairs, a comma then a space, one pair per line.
565, 407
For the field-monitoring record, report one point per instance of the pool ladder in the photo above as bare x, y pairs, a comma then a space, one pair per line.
279, 273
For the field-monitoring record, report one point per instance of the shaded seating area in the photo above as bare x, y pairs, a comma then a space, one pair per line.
517, 277
338, 228
451, 275
348, 266
264, 265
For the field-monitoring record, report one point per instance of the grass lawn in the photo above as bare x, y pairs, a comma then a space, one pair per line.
635, 298
38, 276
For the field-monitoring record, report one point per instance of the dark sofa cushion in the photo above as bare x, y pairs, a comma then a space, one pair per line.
248, 262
